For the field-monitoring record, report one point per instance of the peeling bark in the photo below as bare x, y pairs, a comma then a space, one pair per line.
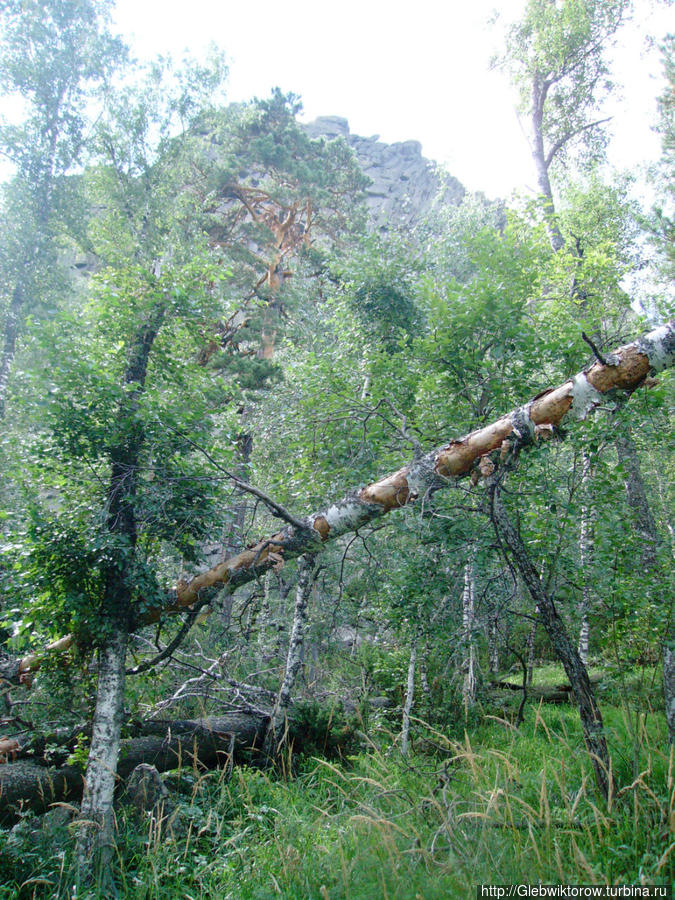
625, 370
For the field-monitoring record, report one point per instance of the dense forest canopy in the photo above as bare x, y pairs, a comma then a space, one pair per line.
369, 495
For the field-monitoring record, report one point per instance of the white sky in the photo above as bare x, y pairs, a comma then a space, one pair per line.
404, 70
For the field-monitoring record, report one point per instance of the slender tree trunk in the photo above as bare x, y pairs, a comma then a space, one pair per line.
637, 498
424, 678
95, 837
586, 538
306, 571
493, 641
539, 93
409, 698
435, 470
12, 323
591, 718
669, 683
264, 622
530, 646
469, 683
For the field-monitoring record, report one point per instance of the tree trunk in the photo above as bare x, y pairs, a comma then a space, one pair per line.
424, 678
591, 718
409, 698
306, 571
12, 323
493, 641
637, 498
638, 503
669, 685
433, 471
469, 682
95, 837
586, 556
539, 92
96, 831
530, 646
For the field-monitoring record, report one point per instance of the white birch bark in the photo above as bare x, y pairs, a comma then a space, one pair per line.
409, 698
469, 683
493, 642
96, 814
263, 623
624, 370
586, 541
295, 650
530, 646
424, 679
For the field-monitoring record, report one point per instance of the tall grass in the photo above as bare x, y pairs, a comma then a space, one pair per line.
498, 806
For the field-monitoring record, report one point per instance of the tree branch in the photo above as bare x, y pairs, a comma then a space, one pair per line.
560, 143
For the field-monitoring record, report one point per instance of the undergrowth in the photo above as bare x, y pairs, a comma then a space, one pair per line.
499, 806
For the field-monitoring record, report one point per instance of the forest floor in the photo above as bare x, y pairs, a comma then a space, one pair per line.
494, 805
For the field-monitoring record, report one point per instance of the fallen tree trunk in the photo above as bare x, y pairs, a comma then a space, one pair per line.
624, 370
557, 694
201, 743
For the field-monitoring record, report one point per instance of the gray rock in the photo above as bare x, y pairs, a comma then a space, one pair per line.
405, 185
48, 828
145, 789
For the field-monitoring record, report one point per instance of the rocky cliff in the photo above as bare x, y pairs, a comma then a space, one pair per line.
404, 185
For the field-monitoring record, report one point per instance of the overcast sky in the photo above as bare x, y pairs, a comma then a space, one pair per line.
404, 70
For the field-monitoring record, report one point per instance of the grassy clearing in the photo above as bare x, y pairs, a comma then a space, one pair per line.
498, 806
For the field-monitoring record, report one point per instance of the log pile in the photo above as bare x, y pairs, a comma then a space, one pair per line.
31, 784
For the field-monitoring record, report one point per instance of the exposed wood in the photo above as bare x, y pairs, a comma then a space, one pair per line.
627, 368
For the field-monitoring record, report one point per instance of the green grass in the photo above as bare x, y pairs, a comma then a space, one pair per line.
498, 806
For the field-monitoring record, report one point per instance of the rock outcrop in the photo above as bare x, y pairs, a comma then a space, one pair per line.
405, 185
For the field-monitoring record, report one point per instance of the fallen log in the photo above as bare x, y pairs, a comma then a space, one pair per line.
557, 693
201, 743
624, 370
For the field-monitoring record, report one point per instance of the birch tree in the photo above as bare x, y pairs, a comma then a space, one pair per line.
53, 57
557, 56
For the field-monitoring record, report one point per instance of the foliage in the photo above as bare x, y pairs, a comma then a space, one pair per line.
557, 56
238, 317
497, 806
